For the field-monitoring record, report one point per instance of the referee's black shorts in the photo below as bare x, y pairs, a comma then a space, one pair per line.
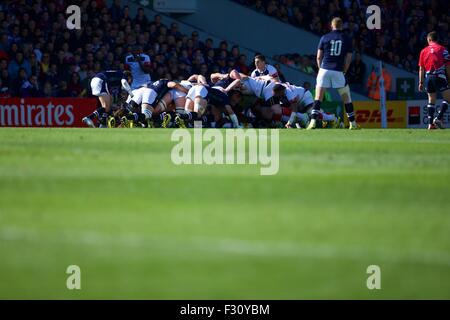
435, 84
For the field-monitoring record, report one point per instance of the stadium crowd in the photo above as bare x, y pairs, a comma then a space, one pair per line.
405, 23
40, 57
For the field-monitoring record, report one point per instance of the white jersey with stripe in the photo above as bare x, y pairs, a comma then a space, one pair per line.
260, 88
268, 71
140, 78
297, 94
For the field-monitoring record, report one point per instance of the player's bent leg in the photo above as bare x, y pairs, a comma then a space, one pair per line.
348, 105
232, 116
105, 101
200, 105
320, 91
444, 107
431, 109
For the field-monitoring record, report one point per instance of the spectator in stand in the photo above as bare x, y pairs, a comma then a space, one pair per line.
356, 72
373, 83
37, 41
19, 63
28, 87
241, 65
419, 17
307, 66
4, 90
74, 86
48, 90
19, 82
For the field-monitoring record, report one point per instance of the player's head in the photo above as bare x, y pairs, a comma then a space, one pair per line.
432, 37
136, 49
337, 24
260, 62
279, 90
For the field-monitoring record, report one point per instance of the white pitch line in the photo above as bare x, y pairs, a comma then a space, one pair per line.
259, 248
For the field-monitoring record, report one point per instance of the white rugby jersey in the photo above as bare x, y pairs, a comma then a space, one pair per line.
140, 78
269, 71
297, 94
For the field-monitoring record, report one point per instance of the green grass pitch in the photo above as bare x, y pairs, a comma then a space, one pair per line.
112, 202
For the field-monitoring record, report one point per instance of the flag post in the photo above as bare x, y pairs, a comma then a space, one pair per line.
382, 97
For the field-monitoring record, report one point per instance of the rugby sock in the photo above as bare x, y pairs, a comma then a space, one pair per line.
315, 110
97, 113
431, 109
235, 120
444, 108
148, 114
292, 118
350, 112
188, 115
103, 118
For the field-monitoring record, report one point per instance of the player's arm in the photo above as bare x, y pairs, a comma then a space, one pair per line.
233, 85
273, 72
199, 78
202, 80
217, 76
266, 77
125, 81
193, 78
421, 78
319, 57
421, 71
348, 61
177, 86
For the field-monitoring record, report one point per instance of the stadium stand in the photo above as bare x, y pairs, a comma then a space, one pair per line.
40, 57
409, 19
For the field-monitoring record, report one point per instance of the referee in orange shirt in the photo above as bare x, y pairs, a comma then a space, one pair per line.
434, 73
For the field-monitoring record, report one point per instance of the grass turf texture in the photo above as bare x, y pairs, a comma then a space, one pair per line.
112, 202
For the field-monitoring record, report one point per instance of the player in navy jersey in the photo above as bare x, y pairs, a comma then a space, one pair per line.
334, 55
434, 63
102, 85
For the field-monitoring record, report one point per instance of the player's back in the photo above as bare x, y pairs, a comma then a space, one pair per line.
222, 83
294, 93
159, 85
335, 45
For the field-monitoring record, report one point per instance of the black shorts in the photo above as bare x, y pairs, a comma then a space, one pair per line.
435, 84
217, 98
